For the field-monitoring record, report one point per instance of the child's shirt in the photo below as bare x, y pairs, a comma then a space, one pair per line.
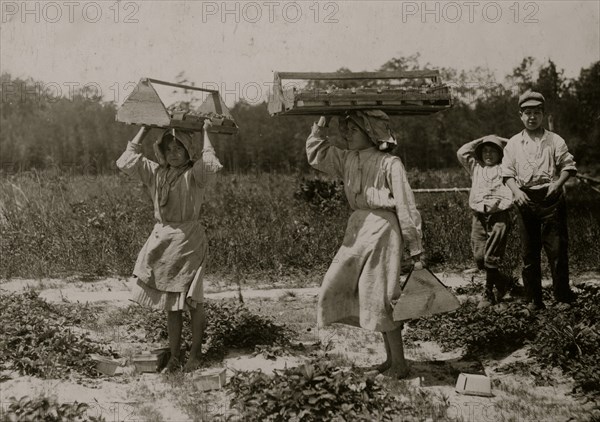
488, 194
536, 163
186, 193
372, 180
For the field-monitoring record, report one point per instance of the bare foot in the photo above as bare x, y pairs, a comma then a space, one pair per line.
382, 367
192, 364
396, 372
172, 365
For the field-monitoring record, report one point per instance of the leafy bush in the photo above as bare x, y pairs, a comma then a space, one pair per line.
36, 340
323, 195
46, 409
478, 331
313, 392
567, 339
229, 325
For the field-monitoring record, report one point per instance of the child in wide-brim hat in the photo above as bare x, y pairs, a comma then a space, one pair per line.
490, 201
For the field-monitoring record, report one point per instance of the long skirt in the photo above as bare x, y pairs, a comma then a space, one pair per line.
170, 267
364, 276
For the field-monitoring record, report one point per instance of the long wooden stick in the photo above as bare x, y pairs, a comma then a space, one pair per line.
409, 74
440, 190
588, 178
156, 81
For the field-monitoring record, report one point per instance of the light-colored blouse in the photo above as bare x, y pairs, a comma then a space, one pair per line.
536, 163
372, 180
488, 194
186, 194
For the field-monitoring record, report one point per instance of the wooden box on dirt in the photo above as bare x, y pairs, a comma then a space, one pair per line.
105, 365
151, 361
474, 385
422, 93
145, 107
212, 379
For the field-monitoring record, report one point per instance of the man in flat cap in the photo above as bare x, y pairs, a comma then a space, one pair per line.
535, 166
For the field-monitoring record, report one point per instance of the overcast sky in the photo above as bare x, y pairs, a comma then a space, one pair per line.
237, 45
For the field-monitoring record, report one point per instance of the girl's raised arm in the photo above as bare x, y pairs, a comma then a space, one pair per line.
322, 155
208, 165
133, 163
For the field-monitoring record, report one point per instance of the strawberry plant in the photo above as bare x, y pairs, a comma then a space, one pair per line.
229, 325
315, 391
567, 339
35, 339
478, 331
46, 409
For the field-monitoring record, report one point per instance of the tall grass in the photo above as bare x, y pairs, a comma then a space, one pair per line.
53, 225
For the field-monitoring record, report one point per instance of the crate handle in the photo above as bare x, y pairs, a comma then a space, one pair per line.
156, 81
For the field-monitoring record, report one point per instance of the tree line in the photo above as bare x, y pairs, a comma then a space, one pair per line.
79, 133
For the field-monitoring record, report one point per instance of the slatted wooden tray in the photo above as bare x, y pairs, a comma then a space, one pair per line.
429, 96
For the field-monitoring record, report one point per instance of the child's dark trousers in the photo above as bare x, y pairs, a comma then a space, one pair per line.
489, 233
544, 224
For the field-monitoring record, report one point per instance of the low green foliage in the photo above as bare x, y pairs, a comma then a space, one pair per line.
230, 325
36, 339
315, 391
322, 195
478, 331
47, 410
570, 340
567, 339
258, 225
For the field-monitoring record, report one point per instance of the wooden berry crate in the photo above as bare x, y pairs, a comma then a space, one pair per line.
151, 361
474, 385
145, 107
425, 95
211, 379
105, 365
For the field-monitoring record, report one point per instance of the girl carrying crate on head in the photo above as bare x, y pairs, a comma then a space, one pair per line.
364, 276
170, 266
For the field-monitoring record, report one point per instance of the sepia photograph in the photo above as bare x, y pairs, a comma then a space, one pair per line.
311, 210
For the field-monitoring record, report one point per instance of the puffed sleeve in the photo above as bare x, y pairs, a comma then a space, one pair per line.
406, 208
322, 155
206, 167
134, 164
563, 158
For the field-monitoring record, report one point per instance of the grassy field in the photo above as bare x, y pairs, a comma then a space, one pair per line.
260, 225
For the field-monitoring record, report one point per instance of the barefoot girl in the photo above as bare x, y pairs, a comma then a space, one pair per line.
365, 273
170, 266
